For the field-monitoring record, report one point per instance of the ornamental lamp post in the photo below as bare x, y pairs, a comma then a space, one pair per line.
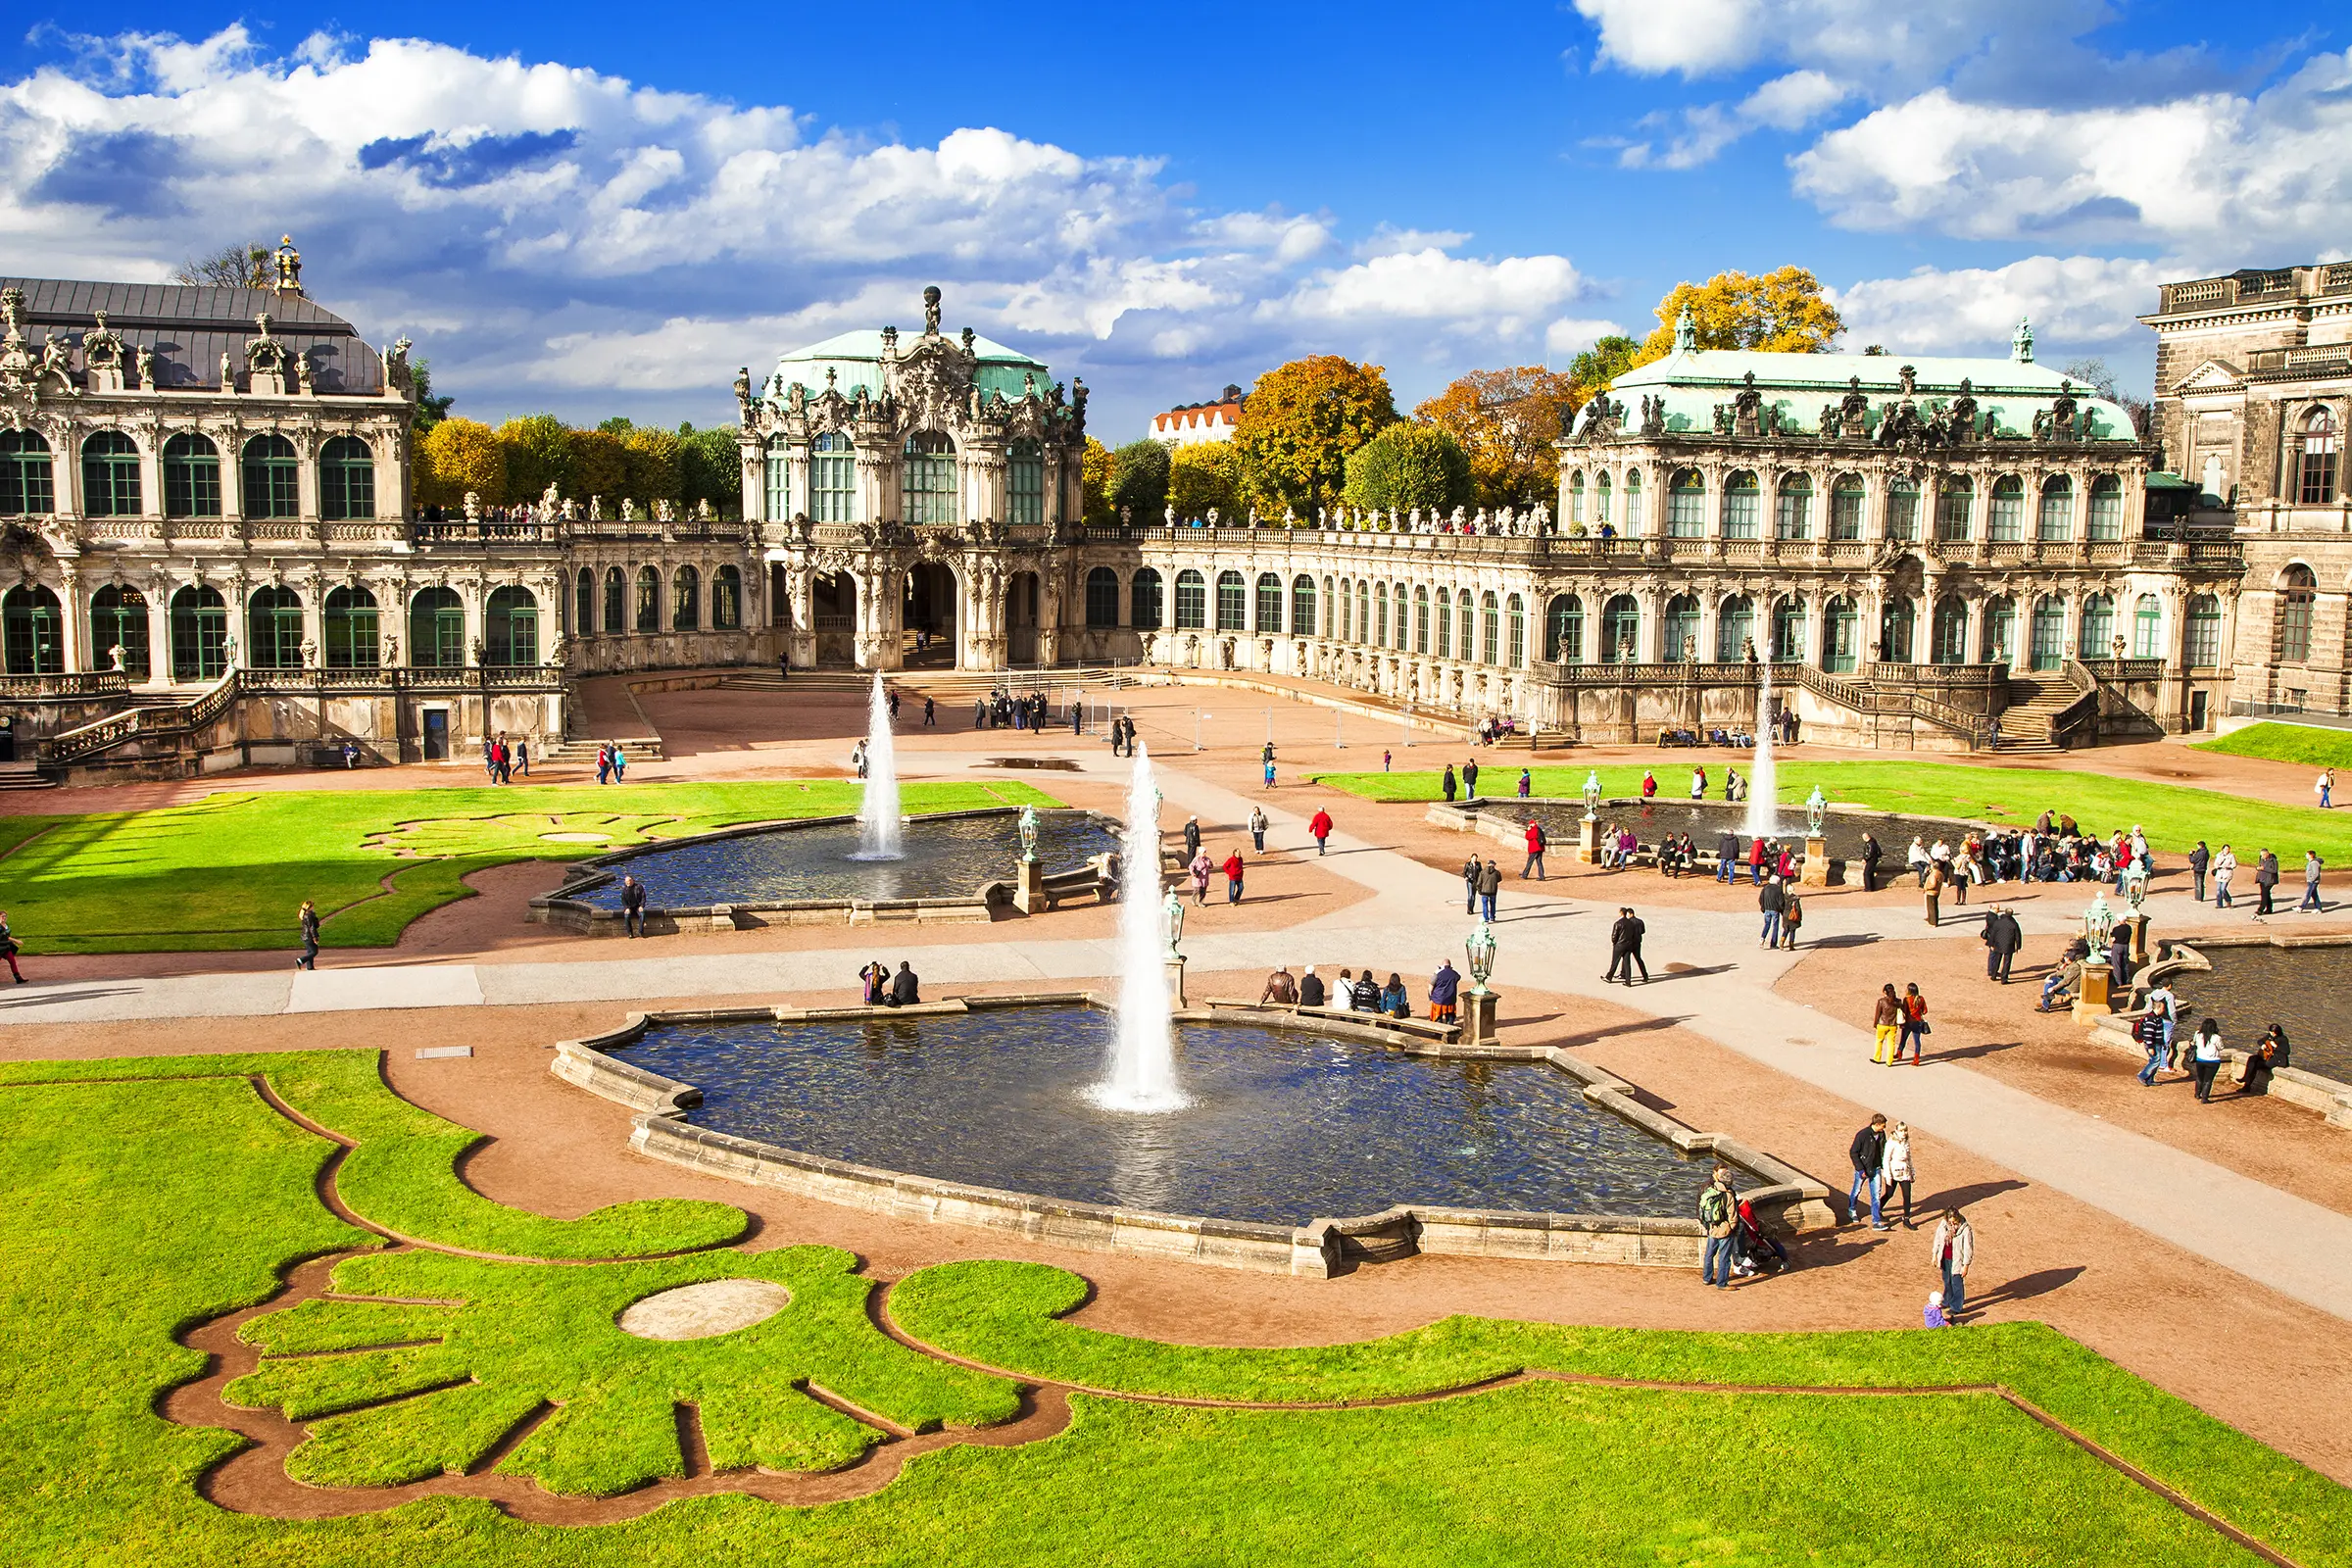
1480, 951
1172, 916
1593, 794
2098, 923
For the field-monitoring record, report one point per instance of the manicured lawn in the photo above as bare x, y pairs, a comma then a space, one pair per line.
231, 870
135, 1208
2308, 744
2174, 815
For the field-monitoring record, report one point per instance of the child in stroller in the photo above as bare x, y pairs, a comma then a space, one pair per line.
1753, 1252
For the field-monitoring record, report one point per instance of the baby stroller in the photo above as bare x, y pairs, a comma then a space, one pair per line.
1753, 1252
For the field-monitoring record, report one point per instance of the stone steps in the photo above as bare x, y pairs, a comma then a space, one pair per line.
23, 776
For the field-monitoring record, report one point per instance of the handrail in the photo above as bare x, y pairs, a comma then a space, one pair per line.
86, 740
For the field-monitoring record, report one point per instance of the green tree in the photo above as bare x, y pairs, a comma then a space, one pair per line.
1780, 311
1408, 465
711, 468
600, 465
1590, 372
538, 449
430, 410
1301, 422
652, 466
1094, 471
1139, 483
1202, 476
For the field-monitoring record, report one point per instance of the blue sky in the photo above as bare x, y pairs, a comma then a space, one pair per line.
570, 209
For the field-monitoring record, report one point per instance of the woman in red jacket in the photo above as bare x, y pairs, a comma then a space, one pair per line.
1321, 827
1233, 877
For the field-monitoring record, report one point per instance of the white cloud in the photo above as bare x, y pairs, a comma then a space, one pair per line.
1497, 298
1844, 38
1785, 103
1795, 100
1568, 336
1387, 240
2073, 301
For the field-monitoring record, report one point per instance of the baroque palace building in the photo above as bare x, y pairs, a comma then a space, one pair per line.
205, 495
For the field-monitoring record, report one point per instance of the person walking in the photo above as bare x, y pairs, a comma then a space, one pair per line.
1625, 948
1886, 1023
2152, 1030
2002, 938
1470, 778
2312, 867
784, 667
1954, 1248
1319, 828
522, 758
621, 763
1490, 883
2205, 1053
930, 713
2266, 880
2199, 858
1698, 783
2325, 788
1444, 992
1202, 868
1772, 900
1257, 829
1192, 837
1896, 1172
1756, 851
9, 947
1718, 1216
1448, 784
1866, 1153
1915, 1027
1536, 843
603, 763
2224, 866
1232, 876
1470, 870
1935, 893
1525, 783
1791, 918
1727, 857
308, 919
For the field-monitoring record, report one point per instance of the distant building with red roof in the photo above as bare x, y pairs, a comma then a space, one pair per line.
1196, 423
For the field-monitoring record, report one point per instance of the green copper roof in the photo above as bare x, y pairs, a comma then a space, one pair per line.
856, 360
1795, 385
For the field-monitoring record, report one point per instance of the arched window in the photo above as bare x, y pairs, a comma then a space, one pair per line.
2007, 524
1396, 590
2050, 633
191, 476
2057, 522
1898, 630
1741, 501
726, 600
1575, 496
1465, 626
1679, 630
1956, 499
1621, 630
2098, 628
2106, 508
649, 599
351, 629
1838, 623
1564, 630
1302, 606
616, 602
2204, 632
1380, 611
1269, 604
198, 634
2316, 472
26, 487
1788, 631
1734, 629
1025, 485
1515, 620
272, 478
1233, 602
1846, 500
1948, 636
110, 475
930, 481
1344, 611
1445, 613
1192, 601
437, 629
2296, 590
31, 632
685, 600
1420, 620
2147, 628
1902, 510
1793, 509
510, 626
1144, 601
1687, 505
2000, 632
1102, 599
118, 619
1600, 498
584, 603
779, 481
1633, 501
832, 478
346, 479
1363, 611
272, 629
1489, 632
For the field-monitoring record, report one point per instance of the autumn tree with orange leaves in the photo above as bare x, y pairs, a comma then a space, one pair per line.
1507, 420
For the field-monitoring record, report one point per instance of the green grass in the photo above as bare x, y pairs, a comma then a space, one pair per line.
230, 871
403, 1175
2174, 815
135, 1209
2307, 744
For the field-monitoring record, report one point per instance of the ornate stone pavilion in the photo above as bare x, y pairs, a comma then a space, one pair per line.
2254, 396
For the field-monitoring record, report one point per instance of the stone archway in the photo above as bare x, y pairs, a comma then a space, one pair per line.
1023, 597
929, 599
833, 617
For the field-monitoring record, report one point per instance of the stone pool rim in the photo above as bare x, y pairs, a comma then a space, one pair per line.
2330, 1097
1789, 1201
1492, 815
565, 909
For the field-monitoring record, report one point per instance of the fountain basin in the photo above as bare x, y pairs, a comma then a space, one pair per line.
1503, 818
1307, 1147
955, 866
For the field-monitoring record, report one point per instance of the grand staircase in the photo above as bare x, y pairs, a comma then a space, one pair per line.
2024, 724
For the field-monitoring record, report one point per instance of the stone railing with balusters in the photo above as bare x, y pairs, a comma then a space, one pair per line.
80, 685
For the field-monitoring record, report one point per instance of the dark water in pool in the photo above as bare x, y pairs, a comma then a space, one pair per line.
1283, 1127
2305, 990
948, 859
1653, 819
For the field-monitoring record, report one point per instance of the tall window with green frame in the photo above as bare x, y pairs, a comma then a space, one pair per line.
351, 629
273, 628
26, 486
110, 475
437, 629
198, 634
928, 489
1025, 485
346, 479
191, 476
272, 478
832, 479
118, 619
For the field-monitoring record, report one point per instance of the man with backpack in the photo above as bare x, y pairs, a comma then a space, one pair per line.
1536, 843
1718, 1215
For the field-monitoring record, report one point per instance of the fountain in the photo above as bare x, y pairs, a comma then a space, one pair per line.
1142, 1058
1762, 786
878, 816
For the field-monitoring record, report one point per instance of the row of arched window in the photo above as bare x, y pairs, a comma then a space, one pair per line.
111, 483
1797, 513
197, 622
927, 486
625, 605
